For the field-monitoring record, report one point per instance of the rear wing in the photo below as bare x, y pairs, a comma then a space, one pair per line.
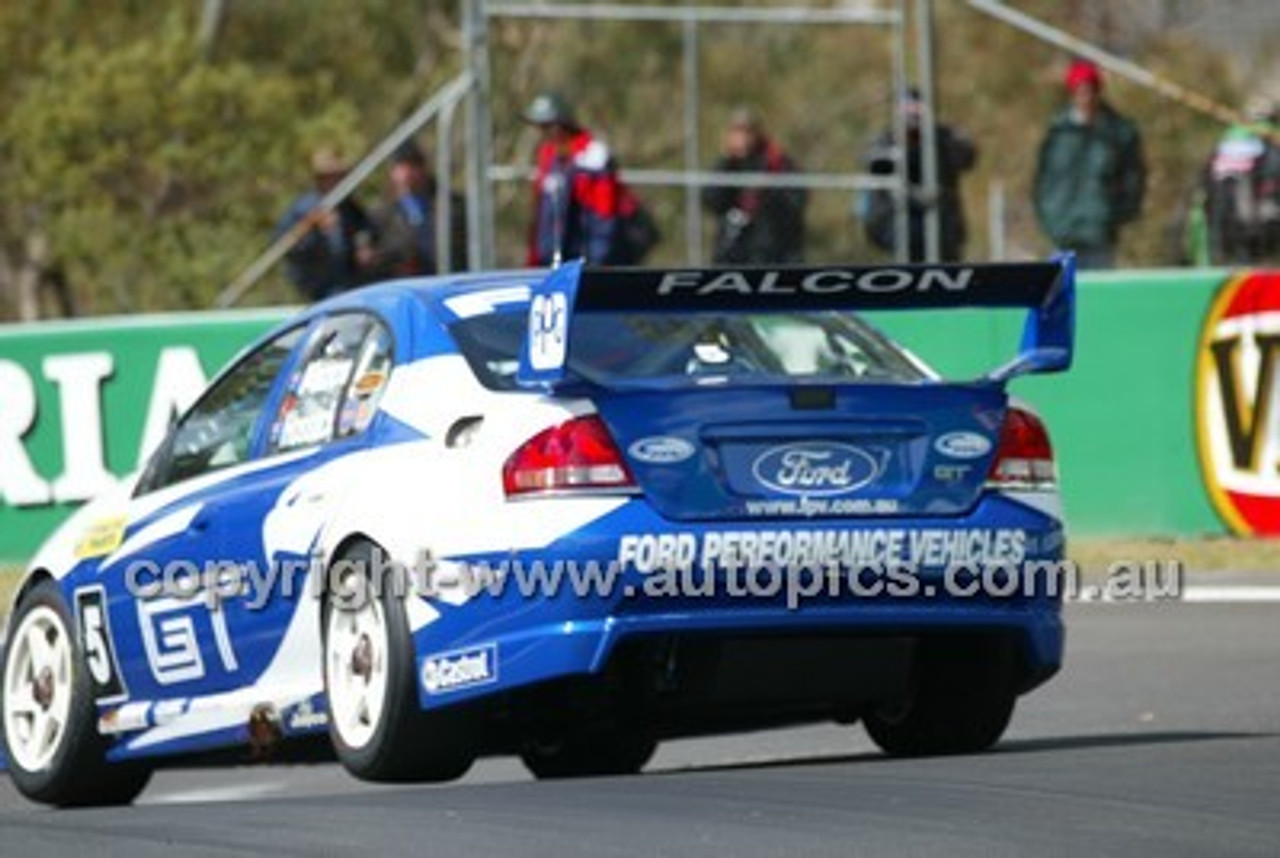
1045, 289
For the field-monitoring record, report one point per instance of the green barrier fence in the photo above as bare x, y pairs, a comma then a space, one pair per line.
80, 400
1122, 419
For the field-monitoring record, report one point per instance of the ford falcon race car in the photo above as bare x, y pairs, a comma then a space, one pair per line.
561, 514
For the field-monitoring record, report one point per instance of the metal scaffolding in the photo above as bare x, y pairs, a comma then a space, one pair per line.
472, 90
693, 178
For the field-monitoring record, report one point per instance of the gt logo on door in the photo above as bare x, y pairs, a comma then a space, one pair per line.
98, 645
171, 636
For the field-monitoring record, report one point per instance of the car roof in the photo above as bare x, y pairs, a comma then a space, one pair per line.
436, 292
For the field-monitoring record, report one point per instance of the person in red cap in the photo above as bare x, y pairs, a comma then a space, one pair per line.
1090, 175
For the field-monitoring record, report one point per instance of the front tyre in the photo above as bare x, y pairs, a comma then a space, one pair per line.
961, 702
378, 730
51, 740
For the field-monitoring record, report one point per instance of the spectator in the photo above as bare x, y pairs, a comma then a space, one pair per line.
575, 188
756, 225
406, 222
955, 154
336, 250
1090, 177
1241, 188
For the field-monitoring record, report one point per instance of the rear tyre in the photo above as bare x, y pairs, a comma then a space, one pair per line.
961, 703
379, 732
50, 732
593, 752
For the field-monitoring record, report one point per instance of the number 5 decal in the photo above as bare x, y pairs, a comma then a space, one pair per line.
97, 644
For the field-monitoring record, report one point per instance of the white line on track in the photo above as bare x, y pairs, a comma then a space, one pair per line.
1202, 593
1195, 594
240, 792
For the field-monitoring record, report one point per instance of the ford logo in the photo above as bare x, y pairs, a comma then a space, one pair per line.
962, 445
815, 469
661, 450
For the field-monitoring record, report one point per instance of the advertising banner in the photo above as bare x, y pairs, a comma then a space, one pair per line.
83, 402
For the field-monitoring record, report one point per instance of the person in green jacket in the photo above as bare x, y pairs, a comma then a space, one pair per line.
1090, 177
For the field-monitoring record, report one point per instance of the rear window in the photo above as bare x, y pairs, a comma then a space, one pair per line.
614, 349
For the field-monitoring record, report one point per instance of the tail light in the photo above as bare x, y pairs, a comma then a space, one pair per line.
577, 455
1024, 459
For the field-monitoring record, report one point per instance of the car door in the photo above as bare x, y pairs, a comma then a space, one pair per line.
264, 525
173, 640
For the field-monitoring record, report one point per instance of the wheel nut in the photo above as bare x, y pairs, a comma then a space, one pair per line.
362, 658
42, 688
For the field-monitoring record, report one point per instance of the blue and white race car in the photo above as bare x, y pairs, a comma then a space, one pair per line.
562, 514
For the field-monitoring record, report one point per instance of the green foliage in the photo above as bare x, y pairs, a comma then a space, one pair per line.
156, 174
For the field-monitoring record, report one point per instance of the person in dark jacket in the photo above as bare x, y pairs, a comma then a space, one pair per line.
575, 188
336, 251
755, 225
956, 154
406, 221
1090, 177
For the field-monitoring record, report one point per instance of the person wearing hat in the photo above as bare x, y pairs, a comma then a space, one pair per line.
406, 221
1090, 175
575, 188
755, 226
955, 155
335, 250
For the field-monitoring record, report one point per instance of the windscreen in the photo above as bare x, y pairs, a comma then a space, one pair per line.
623, 349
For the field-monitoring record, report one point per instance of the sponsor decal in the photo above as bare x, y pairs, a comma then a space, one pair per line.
101, 538
464, 668
962, 445
810, 507
821, 548
661, 450
548, 331
305, 716
951, 473
1237, 434
815, 469
369, 383
821, 282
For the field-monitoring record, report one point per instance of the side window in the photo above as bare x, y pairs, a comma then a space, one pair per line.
334, 391
218, 432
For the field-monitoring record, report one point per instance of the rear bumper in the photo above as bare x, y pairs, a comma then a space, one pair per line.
517, 635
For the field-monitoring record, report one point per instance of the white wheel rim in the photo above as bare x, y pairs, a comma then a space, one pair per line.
356, 646
37, 688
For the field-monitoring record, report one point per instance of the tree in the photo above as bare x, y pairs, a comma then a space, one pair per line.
152, 174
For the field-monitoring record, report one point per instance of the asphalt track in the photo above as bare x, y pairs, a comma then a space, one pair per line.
1161, 737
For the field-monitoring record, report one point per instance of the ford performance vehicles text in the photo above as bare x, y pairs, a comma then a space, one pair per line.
761, 508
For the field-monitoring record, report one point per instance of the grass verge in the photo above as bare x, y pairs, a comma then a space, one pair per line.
9, 576
1199, 554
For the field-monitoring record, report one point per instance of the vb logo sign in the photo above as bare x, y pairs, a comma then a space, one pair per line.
1237, 428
